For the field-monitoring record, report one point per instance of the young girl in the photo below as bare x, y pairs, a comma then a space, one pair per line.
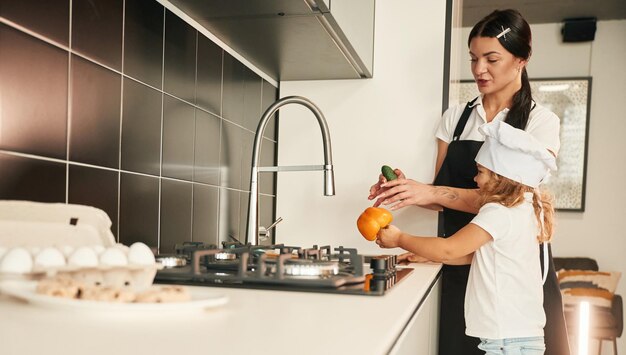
504, 297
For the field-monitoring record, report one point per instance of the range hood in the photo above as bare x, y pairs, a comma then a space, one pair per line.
286, 39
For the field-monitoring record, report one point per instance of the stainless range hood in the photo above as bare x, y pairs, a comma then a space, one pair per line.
286, 39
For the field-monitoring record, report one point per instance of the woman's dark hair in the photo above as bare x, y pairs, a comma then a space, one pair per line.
518, 41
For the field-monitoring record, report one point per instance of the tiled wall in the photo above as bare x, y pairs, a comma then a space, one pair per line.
121, 105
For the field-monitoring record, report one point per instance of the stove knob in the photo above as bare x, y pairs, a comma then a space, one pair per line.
379, 264
393, 261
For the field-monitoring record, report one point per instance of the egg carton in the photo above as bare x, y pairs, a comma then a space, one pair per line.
38, 224
47, 239
118, 266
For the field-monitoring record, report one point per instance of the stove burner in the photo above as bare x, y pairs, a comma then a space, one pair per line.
300, 267
225, 256
171, 261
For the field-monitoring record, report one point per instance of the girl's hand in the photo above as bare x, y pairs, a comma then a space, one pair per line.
389, 237
377, 189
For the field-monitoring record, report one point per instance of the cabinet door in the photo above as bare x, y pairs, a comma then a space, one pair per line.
420, 336
355, 18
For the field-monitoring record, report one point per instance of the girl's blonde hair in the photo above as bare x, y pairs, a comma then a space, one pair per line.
509, 193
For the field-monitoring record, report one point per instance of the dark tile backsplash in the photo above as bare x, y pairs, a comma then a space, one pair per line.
34, 80
206, 214
95, 114
209, 76
48, 18
83, 179
133, 111
233, 89
141, 128
207, 148
139, 209
97, 30
179, 74
143, 41
23, 178
176, 206
178, 138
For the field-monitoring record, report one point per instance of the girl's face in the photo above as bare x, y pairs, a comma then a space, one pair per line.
482, 177
494, 67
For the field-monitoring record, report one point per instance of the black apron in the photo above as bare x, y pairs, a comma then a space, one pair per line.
458, 170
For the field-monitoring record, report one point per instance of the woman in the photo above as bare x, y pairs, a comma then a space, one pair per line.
500, 47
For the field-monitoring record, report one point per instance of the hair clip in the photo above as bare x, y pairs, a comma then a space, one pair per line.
504, 32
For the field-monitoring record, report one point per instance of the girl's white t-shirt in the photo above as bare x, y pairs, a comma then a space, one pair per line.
543, 124
504, 296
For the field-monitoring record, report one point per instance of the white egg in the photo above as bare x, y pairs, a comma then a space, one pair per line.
142, 279
67, 250
50, 257
3, 250
83, 256
98, 248
122, 247
140, 254
16, 260
113, 257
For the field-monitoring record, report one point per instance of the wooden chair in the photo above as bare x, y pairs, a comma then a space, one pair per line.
606, 323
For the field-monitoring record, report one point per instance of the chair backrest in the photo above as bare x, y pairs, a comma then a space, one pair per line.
577, 263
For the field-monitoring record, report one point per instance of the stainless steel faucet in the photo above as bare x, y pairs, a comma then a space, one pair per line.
252, 235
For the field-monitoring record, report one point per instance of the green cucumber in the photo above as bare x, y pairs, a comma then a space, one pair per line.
388, 173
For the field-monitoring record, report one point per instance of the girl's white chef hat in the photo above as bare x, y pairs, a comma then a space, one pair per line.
515, 154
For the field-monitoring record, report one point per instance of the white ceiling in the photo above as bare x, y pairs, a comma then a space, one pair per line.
546, 11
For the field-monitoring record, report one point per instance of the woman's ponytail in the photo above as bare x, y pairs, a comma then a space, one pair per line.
522, 104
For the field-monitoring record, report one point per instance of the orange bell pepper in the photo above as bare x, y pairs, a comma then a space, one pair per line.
372, 220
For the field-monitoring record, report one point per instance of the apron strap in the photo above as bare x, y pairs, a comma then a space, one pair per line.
460, 126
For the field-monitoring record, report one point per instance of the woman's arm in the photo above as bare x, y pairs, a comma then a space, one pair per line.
404, 192
458, 247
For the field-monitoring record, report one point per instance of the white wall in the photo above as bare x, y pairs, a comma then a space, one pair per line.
600, 231
389, 119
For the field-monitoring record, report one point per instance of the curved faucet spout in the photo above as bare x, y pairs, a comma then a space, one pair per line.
252, 233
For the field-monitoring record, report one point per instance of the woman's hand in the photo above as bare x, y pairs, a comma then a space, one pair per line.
376, 189
389, 237
404, 192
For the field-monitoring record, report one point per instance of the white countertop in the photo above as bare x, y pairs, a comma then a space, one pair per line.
253, 321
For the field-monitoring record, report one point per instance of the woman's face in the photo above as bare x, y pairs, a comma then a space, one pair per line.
494, 67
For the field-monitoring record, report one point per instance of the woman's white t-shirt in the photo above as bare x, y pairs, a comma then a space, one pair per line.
504, 296
543, 124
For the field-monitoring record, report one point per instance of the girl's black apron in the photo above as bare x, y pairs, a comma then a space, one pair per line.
458, 170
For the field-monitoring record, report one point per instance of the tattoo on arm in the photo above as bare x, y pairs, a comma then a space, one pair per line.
470, 197
446, 193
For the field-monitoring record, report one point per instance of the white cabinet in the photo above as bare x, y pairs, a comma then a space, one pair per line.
355, 19
291, 40
420, 336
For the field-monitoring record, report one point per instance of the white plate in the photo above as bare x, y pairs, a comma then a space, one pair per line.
201, 298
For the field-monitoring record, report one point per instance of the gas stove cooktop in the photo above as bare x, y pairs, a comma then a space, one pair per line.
279, 267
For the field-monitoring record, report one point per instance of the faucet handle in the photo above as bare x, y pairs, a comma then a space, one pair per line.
265, 234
